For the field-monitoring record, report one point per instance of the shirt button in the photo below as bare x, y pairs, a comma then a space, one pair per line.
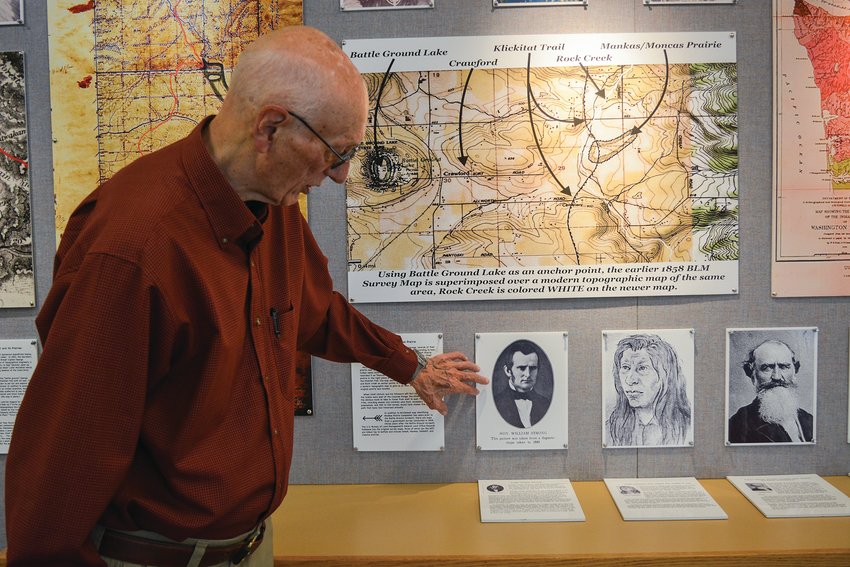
275, 431
224, 240
258, 322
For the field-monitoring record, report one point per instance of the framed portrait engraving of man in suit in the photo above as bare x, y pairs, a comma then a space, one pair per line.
525, 404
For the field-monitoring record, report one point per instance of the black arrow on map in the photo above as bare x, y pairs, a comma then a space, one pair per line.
565, 190
214, 74
637, 129
463, 157
599, 92
575, 121
378, 103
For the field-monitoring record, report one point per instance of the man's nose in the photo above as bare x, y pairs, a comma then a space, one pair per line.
774, 372
339, 174
631, 378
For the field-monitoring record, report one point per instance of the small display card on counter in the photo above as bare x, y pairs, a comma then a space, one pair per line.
538, 500
663, 499
792, 496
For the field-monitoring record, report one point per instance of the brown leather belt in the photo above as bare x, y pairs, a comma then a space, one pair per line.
134, 549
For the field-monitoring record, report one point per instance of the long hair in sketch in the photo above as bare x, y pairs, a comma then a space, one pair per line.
671, 407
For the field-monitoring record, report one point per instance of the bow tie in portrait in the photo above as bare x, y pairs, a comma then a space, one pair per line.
519, 395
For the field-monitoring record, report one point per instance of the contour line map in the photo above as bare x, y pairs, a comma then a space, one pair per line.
129, 77
546, 166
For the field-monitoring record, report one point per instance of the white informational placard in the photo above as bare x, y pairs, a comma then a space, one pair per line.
792, 496
663, 499
546, 500
525, 404
388, 416
17, 362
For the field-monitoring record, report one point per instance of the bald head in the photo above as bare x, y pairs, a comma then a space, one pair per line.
301, 68
283, 82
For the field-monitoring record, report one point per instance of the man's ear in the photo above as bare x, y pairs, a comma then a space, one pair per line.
269, 120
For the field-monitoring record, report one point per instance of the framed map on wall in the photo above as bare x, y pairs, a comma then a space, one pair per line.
811, 199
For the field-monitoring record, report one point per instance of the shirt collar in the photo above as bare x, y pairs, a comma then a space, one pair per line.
231, 220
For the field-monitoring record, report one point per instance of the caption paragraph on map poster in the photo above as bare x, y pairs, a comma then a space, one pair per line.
531, 283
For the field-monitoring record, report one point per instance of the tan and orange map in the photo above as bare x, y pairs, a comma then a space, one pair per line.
811, 248
128, 77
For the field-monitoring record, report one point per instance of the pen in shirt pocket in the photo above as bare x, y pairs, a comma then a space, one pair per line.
275, 322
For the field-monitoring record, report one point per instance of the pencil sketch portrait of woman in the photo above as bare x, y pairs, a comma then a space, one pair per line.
649, 402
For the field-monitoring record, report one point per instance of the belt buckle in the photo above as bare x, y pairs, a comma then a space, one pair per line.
249, 546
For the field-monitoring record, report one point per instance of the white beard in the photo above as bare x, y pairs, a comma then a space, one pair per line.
779, 404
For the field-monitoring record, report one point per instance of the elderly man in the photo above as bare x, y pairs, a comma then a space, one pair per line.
774, 416
158, 425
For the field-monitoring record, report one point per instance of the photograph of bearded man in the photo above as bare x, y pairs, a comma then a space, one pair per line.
778, 370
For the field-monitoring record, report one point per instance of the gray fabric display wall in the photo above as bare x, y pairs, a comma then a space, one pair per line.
324, 452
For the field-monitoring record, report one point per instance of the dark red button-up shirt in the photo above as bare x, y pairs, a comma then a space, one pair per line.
163, 398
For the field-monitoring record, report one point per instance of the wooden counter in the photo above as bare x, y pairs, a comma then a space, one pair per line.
430, 524
438, 524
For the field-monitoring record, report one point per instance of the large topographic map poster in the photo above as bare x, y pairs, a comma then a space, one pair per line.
504, 167
811, 224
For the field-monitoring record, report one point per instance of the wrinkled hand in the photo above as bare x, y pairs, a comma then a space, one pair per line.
449, 373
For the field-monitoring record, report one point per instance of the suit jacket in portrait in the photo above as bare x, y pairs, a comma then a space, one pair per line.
747, 426
507, 408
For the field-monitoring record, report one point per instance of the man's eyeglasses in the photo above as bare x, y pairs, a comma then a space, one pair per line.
340, 158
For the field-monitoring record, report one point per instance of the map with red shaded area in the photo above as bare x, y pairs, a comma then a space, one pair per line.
826, 38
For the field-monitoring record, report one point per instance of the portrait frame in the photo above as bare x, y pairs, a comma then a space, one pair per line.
11, 12
684, 2
671, 355
741, 392
529, 3
357, 5
498, 425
